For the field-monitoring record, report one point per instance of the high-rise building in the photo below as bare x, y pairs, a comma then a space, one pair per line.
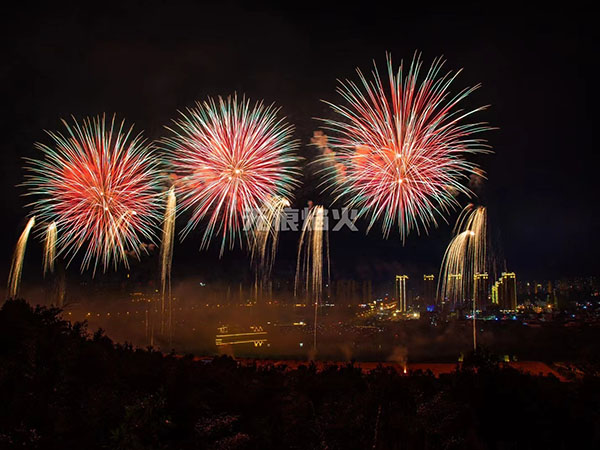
504, 291
351, 292
346, 292
401, 292
480, 290
428, 290
367, 291
454, 288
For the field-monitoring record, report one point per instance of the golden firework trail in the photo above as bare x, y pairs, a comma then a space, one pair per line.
265, 235
451, 277
464, 265
465, 258
50, 248
474, 219
313, 253
166, 257
14, 278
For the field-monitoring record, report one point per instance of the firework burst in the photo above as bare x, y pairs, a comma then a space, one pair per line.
398, 153
232, 158
100, 187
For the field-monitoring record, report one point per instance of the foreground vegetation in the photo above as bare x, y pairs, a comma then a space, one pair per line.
62, 387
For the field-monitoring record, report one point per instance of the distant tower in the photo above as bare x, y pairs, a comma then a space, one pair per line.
429, 289
504, 291
480, 290
366, 292
455, 288
401, 292
510, 290
346, 292
495, 293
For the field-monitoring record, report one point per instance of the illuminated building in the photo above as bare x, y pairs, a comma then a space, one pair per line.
401, 292
367, 291
454, 288
504, 291
480, 290
429, 289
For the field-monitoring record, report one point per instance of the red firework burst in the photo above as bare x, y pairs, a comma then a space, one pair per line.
100, 187
399, 153
231, 159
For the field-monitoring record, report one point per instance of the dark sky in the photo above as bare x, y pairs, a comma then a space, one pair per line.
145, 60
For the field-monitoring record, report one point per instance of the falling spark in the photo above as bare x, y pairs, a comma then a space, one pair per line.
265, 235
465, 258
16, 269
50, 248
313, 252
465, 263
166, 257
450, 284
474, 219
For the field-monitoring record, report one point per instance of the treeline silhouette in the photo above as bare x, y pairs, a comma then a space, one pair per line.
65, 388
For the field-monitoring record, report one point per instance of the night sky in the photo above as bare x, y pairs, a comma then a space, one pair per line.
146, 60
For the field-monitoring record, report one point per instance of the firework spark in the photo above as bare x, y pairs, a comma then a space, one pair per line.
100, 187
454, 265
50, 248
16, 269
474, 219
464, 270
232, 158
166, 257
465, 259
265, 236
313, 255
398, 154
